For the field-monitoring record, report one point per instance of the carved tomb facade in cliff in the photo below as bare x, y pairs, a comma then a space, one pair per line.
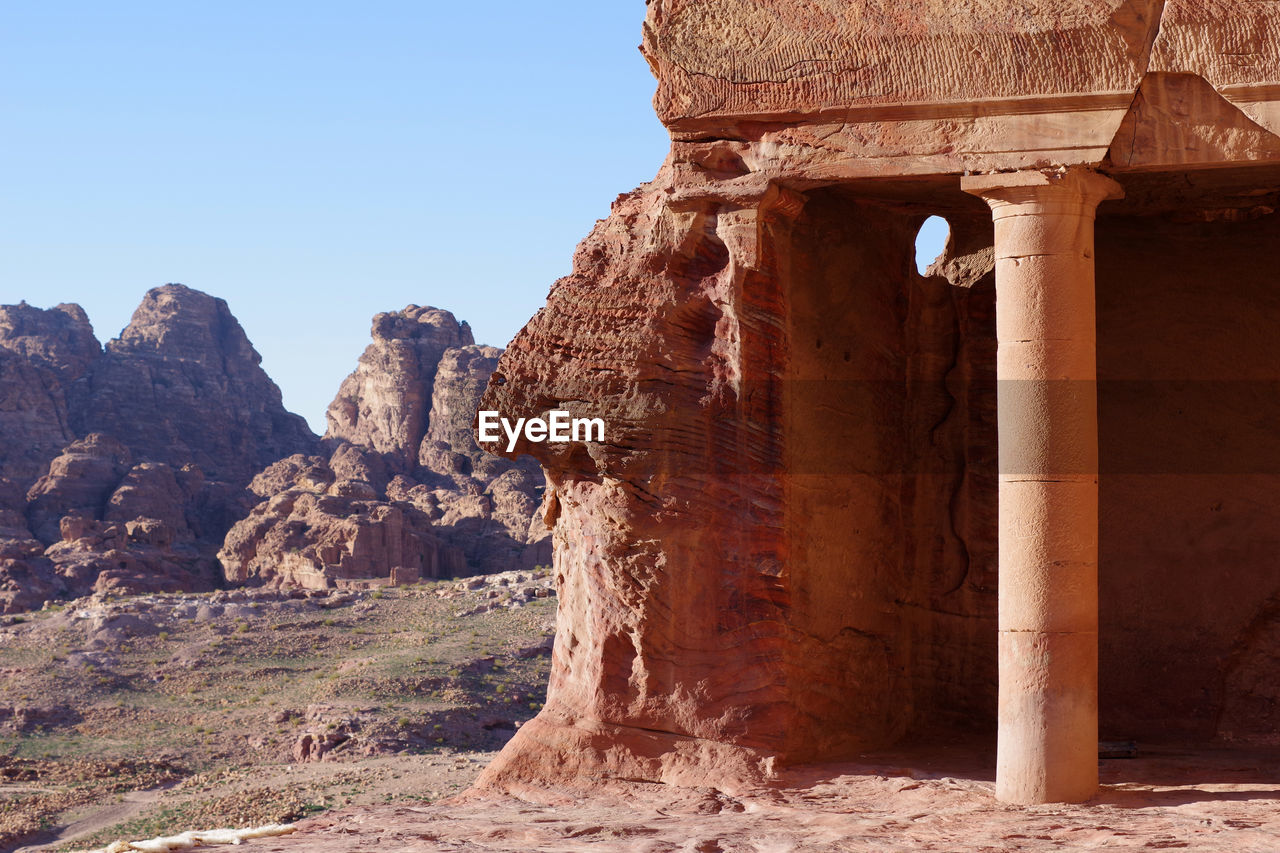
1034, 490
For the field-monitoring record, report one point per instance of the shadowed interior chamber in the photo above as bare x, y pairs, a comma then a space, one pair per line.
891, 460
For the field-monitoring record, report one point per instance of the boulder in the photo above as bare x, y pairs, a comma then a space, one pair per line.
81, 480
305, 473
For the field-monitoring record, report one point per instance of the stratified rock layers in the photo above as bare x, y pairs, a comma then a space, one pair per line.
755, 564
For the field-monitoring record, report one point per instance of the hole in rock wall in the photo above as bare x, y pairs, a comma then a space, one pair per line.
931, 242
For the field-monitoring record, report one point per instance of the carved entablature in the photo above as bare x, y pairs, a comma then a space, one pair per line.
824, 91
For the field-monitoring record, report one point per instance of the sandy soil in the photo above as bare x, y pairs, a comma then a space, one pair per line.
1206, 801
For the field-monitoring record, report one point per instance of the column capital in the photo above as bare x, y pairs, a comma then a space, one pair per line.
1075, 189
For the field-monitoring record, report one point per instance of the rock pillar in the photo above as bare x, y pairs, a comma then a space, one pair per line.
1048, 429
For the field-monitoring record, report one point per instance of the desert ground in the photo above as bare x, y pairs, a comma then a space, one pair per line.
360, 719
149, 715
934, 797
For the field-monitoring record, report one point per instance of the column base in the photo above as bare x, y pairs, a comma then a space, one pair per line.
1048, 743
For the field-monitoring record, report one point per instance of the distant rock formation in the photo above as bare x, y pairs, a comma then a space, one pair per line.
316, 529
404, 493
385, 402
183, 384
124, 466
136, 467
483, 504
80, 481
43, 355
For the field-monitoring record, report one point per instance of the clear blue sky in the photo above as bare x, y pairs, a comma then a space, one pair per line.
314, 163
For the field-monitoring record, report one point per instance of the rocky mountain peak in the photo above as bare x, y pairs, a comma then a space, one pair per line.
421, 323
183, 384
131, 460
59, 338
385, 403
177, 321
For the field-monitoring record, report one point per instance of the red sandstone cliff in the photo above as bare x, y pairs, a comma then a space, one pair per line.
734, 583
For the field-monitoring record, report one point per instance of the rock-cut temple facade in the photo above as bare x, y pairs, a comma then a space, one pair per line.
844, 504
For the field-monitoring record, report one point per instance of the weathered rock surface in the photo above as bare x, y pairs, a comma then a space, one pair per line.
384, 404
95, 523
183, 385
137, 458
60, 338
732, 583
133, 459
80, 481
133, 557
405, 491
482, 504
25, 577
462, 374
42, 355
155, 490
883, 804
333, 537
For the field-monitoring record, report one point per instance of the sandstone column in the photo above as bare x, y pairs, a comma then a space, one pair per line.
1048, 428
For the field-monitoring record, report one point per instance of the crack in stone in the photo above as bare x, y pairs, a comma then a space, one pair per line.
1146, 68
